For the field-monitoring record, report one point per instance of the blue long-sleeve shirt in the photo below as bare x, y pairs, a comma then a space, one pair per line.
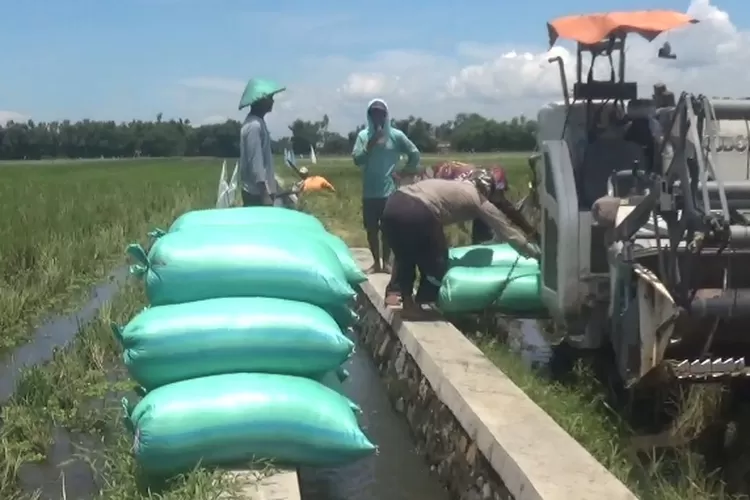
379, 164
256, 160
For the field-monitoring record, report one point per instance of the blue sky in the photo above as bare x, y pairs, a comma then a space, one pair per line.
127, 59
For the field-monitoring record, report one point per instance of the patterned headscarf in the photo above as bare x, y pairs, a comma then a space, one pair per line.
493, 176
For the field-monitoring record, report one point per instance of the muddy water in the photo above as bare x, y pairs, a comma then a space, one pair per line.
397, 472
65, 474
57, 332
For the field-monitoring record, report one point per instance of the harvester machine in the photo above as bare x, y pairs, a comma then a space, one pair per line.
645, 241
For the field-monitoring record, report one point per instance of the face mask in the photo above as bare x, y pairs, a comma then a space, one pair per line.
378, 117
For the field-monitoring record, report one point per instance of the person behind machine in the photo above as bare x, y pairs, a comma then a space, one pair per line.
413, 222
377, 151
453, 170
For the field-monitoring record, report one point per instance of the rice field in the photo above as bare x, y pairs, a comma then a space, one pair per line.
69, 225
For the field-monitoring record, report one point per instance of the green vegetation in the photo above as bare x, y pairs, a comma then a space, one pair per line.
76, 396
582, 410
71, 226
65, 227
173, 138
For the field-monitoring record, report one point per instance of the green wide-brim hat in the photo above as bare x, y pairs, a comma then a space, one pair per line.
257, 89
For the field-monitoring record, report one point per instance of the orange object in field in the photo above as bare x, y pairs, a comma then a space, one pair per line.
593, 28
317, 183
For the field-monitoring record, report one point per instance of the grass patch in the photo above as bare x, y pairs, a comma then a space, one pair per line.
69, 221
62, 431
66, 226
582, 410
74, 402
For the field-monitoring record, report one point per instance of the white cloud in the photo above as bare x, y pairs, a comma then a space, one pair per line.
6, 116
512, 75
367, 85
498, 81
712, 58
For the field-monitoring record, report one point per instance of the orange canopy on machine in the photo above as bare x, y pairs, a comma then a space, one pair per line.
593, 28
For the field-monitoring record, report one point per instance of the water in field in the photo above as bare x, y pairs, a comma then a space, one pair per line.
74, 460
67, 471
56, 332
398, 472
525, 337
65, 474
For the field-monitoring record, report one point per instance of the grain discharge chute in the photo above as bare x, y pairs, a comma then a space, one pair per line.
645, 241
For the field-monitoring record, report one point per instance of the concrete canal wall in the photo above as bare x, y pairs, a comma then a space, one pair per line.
485, 438
481, 434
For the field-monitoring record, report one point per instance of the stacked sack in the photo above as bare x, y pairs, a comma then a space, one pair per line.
248, 312
494, 277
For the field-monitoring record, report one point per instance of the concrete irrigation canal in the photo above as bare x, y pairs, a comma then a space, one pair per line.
448, 423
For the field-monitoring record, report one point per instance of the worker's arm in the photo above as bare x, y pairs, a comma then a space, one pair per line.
516, 217
360, 152
411, 151
505, 230
254, 170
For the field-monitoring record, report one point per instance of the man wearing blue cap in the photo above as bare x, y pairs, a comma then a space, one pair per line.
257, 174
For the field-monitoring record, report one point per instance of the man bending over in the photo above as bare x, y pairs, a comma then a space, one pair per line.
413, 222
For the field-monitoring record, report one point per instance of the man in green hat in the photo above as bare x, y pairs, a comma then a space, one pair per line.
257, 174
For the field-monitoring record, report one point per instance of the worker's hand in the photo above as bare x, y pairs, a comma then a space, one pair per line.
317, 183
533, 251
377, 138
